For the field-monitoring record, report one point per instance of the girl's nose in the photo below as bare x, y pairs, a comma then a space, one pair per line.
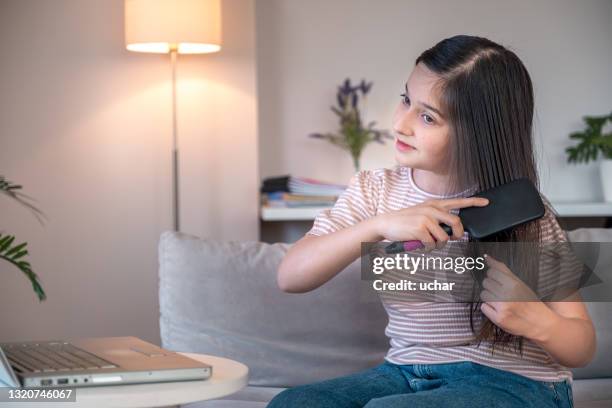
403, 122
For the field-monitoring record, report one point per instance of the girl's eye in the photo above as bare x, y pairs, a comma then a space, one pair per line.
428, 119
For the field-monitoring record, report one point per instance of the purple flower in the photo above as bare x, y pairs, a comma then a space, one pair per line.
352, 136
346, 89
354, 99
365, 87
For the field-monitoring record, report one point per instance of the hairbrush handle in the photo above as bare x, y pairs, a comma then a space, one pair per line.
397, 247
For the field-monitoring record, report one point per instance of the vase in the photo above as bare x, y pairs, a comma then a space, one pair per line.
356, 164
605, 169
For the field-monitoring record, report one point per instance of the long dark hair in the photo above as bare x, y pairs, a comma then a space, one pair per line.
487, 97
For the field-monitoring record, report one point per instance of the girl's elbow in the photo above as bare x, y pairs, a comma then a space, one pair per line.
592, 351
589, 355
288, 287
593, 348
282, 283
283, 280
581, 363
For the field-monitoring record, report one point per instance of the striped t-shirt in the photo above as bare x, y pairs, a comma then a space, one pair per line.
432, 332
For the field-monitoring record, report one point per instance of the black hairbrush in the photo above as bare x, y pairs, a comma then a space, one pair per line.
510, 204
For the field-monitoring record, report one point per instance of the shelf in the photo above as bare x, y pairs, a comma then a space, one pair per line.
290, 214
583, 209
564, 208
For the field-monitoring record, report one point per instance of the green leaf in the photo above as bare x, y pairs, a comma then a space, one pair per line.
590, 141
16, 249
7, 188
20, 255
7, 243
14, 256
3, 240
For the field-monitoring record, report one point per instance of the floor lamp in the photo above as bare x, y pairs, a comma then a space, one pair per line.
173, 27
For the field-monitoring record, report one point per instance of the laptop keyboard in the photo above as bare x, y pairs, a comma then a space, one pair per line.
51, 357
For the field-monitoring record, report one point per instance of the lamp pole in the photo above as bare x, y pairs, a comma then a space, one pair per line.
194, 26
175, 177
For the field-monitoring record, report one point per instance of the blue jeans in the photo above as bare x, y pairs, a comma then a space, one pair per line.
458, 385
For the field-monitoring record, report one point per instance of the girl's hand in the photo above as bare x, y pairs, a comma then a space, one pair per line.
511, 304
421, 222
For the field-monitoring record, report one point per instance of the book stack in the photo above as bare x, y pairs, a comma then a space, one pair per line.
294, 192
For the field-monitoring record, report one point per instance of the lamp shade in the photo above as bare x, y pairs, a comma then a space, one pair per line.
159, 26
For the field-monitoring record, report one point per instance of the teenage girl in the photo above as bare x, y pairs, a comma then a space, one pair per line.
463, 124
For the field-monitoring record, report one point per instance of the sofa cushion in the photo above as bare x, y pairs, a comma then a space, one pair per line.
591, 392
222, 298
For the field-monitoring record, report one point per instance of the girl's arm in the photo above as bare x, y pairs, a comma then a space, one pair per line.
567, 332
314, 260
564, 328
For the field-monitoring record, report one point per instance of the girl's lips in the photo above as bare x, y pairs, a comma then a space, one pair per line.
404, 147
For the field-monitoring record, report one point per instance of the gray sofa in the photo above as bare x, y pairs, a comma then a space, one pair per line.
221, 298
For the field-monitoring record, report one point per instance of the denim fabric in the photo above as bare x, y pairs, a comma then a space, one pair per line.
457, 385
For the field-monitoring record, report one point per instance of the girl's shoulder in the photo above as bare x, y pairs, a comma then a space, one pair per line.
386, 188
385, 175
397, 187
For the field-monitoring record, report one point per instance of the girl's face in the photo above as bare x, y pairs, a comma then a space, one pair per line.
420, 130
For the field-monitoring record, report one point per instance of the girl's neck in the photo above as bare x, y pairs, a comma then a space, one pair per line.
433, 183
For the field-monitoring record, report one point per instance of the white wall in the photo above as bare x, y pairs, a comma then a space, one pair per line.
85, 126
306, 48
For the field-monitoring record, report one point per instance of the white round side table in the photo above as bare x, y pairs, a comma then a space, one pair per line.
228, 376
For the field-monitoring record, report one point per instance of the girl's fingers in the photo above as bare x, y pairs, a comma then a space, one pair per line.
495, 274
494, 263
488, 310
428, 241
439, 234
486, 296
452, 221
453, 203
492, 285
447, 218
498, 270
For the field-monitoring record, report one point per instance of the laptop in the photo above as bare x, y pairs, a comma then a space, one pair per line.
90, 362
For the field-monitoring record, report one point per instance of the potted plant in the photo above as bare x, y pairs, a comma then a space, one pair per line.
15, 253
593, 141
353, 136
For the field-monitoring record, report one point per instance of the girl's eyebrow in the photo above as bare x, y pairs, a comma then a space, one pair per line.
424, 104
